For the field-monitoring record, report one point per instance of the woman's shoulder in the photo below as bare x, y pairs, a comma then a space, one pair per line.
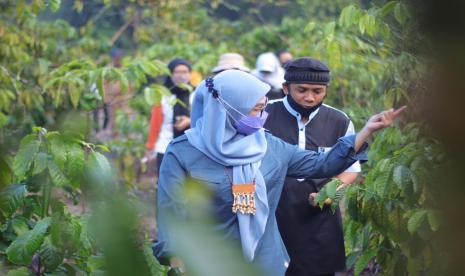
277, 145
180, 143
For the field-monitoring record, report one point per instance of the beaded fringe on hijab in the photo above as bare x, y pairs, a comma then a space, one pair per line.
244, 198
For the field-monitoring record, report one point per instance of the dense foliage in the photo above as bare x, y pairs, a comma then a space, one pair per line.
54, 73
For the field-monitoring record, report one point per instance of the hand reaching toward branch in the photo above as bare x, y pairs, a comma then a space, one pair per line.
383, 119
375, 123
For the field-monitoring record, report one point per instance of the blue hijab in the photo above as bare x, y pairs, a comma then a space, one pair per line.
214, 134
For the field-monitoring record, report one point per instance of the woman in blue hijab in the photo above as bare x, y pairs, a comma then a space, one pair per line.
229, 150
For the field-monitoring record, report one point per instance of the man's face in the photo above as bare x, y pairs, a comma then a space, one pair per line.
181, 74
305, 94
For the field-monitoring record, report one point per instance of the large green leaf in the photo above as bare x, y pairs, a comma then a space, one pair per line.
58, 148
28, 149
348, 16
74, 95
56, 174
363, 260
23, 271
5, 171
54, 5
387, 8
433, 219
401, 13
401, 175
20, 225
40, 163
75, 164
12, 197
24, 247
416, 220
50, 256
3, 119
153, 264
100, 162
85, 238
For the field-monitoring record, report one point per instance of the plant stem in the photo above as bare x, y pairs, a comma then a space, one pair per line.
46, 191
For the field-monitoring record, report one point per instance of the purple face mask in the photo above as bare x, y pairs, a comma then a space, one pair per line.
248, 124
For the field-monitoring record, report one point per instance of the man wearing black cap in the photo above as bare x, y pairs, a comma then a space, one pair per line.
169, 121
313, 237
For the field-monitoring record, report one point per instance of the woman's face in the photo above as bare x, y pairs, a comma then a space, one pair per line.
259, 106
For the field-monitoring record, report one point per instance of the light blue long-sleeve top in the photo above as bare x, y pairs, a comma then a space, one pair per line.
182, 160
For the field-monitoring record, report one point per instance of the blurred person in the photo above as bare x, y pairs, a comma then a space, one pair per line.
245, 168
115, 100
230, 61
169, 121
269, 70
284, 56
313, 237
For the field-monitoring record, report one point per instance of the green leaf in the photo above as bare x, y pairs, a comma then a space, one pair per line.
309, 27
19, 225
37, 5
337, 198
370, 24
401, 175
162, 67
362, 24
54, 5
321, 196
101, 162
12, 197
151, 261
186, 86
23, 248
85, 237
388, 7
75, 95
101, 81
433, 219
348, 16
415, 221
123, 80
75, 164
96, 262
58, 149
5, 171
28, 149
334, 53
23, 271
400, 13
364, 260
50, 256
151, 97
328, 32
3, 119
40, 163
56, 174
331, 187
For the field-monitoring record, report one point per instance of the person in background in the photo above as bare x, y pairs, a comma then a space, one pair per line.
230, 61
284, 56
115, 100
169, 121
229, 151
269, 70
313, 237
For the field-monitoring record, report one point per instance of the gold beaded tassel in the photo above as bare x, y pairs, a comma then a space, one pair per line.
244, 198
